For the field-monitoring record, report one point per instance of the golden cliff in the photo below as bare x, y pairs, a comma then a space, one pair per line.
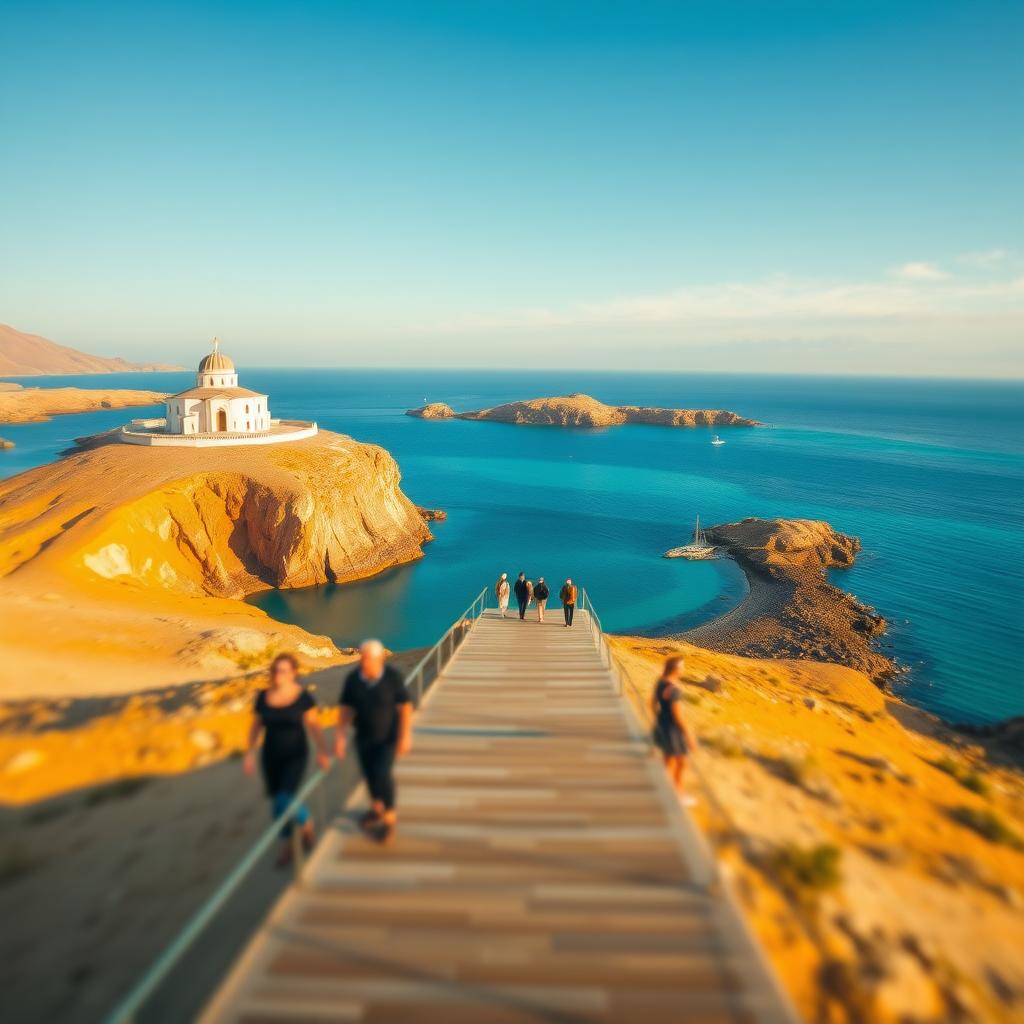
180, 535
584, 411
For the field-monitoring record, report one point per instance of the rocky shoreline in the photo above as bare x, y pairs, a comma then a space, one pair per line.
584, 411
792, 611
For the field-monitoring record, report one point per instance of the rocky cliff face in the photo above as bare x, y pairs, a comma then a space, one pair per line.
584, 411
173, 530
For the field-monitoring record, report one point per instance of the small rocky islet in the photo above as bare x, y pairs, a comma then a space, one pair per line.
583, 411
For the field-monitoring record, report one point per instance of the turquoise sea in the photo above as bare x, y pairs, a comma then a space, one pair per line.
929, 474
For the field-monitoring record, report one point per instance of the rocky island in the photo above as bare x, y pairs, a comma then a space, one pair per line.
584, 411
36, 405
433, 411
122, 567
792, 611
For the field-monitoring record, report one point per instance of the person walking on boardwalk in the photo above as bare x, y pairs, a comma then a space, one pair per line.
501, 592
376, 703
541, 594
567, 595
671, 733
283, 713
522, 594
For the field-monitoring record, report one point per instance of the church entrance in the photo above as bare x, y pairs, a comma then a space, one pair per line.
222, 420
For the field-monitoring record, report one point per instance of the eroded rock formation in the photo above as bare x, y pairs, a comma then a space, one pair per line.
792, 610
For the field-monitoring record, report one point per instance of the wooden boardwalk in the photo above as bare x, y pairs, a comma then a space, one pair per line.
543, 871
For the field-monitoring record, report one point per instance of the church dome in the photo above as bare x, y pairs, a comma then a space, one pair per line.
216, 360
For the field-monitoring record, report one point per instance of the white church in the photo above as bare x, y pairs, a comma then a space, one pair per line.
216, 412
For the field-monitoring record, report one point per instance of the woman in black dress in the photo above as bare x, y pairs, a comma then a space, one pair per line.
671, 733
282, 714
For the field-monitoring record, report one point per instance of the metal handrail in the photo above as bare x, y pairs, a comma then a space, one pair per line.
158, 971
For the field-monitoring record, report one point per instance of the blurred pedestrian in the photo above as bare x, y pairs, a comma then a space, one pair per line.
375, 702
671, 733
283, 713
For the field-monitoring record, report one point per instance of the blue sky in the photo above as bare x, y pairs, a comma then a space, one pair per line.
750, 185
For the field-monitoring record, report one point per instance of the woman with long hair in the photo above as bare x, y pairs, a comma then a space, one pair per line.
283, 712
671, 733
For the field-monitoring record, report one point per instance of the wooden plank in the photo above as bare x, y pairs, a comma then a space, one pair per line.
543, 871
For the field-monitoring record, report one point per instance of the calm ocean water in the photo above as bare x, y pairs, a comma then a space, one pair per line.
929, 474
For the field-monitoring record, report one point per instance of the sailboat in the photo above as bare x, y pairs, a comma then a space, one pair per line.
716, 441
699, 548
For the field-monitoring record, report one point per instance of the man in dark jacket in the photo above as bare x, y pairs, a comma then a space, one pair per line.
375, 702
568, 598
541, 593
522, 590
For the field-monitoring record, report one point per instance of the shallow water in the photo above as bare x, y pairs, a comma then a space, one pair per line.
929, 474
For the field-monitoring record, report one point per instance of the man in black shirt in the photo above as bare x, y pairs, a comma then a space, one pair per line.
522, 594
375, 702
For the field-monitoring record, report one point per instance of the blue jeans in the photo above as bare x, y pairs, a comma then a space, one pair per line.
279, 804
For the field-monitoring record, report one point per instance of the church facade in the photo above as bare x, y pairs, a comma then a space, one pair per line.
216, 412
217, 405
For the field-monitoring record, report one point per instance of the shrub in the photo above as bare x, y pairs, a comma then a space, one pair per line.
692, 698
969, 780
976, 784
793, 769
804, 873
988, 824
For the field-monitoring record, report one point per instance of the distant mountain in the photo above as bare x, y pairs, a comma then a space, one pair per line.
28, 355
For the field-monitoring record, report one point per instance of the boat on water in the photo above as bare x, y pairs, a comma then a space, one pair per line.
697, 549
716, 440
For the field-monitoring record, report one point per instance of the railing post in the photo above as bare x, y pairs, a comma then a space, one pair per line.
321, 804
298, 852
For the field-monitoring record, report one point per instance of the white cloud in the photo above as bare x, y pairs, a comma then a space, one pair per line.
984, 259
776, 299
920, 272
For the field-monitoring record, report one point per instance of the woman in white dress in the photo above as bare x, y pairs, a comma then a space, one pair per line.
501, 592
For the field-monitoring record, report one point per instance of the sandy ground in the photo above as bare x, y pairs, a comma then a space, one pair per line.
926, 922
101, 868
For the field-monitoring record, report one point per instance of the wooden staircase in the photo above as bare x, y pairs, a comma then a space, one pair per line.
543, 870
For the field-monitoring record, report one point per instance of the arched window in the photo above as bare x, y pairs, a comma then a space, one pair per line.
247, 427
247, 410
